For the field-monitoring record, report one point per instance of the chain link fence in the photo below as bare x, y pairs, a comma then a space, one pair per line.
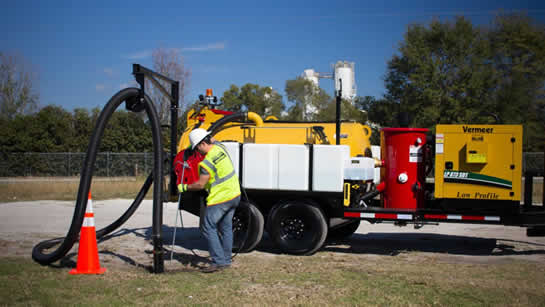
68, 164
109, 164
533, 162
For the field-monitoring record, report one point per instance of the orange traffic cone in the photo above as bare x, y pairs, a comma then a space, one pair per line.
88, 262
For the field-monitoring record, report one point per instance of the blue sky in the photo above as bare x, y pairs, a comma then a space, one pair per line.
83, 51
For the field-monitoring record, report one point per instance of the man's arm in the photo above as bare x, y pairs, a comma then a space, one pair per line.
199, 184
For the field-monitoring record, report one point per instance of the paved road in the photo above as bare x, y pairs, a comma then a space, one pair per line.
23, 224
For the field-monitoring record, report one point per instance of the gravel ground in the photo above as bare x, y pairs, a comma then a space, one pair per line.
24, 224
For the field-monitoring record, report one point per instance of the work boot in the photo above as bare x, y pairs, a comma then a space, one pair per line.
212, 268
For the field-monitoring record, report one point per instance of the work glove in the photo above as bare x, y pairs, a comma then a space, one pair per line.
182, 187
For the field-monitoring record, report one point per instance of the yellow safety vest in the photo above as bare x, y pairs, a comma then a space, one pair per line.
223, 183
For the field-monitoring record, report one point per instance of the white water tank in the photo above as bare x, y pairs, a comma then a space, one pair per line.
287, 167
293, 167
233, 150
275, 167
345, 72
359, 168
260, 166
328, 167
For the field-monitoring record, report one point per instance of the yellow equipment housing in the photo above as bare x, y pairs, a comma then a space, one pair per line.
273, 131
478, 162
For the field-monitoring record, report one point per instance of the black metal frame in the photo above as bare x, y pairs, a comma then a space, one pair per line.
338, 113
140, 73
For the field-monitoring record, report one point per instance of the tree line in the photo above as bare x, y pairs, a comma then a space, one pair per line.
445, 72
457, 73
54, 129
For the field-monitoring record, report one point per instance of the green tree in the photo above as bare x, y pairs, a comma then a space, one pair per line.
231, 99
519, 58
53, 129
262, 100
309, 102
17, 87
47, 131
455, 73
82, 128
379, 113
441, 74
14, 134
349, 112
126, 132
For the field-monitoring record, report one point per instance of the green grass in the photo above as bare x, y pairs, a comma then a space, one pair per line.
322, 279
35, 189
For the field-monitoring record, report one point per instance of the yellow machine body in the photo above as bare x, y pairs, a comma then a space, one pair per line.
353, 134
478, 162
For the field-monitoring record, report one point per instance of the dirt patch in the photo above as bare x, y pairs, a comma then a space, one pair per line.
24, 224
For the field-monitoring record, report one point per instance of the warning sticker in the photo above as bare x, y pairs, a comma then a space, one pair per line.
416, 153
439, 143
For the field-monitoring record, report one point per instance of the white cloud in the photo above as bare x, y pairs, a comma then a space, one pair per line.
108, 71
139, 55
100, 87
124, 85
207, 47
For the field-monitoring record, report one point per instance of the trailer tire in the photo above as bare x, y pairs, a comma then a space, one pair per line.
535, 232
344, 231
297, 227
248, 225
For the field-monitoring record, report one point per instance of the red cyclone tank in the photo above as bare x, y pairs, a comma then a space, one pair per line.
404, 169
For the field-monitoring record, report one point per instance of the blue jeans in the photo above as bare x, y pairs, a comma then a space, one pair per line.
217, 228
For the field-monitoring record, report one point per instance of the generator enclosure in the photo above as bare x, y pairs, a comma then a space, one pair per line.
479, 162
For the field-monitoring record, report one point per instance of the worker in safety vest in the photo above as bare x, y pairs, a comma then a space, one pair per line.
216, 175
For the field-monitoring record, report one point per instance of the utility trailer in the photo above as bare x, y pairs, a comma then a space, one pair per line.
303, 194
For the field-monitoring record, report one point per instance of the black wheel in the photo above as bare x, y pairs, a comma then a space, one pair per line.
248, 225
343, 231
297, 228
535, 231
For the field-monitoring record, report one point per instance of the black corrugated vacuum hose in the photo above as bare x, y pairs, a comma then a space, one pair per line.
66, 243
216, 126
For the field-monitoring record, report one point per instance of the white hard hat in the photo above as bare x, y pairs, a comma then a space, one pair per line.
196, 136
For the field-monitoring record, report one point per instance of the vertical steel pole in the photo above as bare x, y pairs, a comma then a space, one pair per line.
338, 113
528, 189
175, 93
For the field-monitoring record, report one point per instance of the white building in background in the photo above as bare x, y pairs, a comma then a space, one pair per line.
341, 70
345, 71
311, 75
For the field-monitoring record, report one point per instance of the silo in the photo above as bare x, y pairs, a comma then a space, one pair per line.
345, 71
310, 74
